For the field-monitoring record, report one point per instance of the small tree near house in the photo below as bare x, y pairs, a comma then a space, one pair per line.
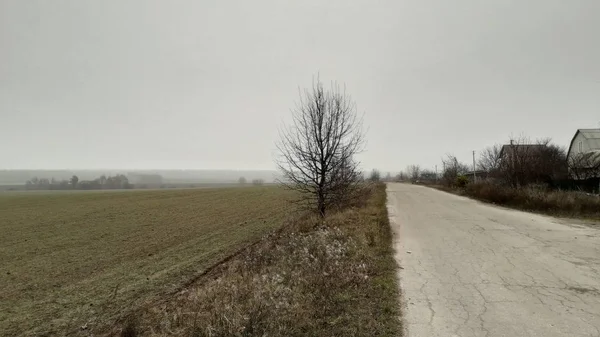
489, 159
584, 166
453, 171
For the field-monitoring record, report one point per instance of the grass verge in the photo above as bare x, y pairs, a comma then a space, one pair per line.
335, 277
552, 202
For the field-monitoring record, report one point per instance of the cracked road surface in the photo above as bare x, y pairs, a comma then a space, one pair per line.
471, 269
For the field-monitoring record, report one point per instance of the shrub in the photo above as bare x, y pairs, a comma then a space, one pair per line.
537, 198
461, 181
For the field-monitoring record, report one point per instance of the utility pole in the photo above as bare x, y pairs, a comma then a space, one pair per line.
474, 175
436, 174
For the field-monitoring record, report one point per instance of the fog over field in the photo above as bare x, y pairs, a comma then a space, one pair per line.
10, 177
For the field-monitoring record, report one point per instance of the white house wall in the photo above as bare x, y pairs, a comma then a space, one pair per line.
587, 144
591, 144
574, 150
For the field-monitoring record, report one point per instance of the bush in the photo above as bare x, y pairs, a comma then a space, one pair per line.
461, 181
537, 198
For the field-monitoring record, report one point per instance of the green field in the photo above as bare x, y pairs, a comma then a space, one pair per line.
71, 262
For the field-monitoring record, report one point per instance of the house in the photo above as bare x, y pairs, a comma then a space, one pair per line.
477, 175
584, 154
511, 154
524, 164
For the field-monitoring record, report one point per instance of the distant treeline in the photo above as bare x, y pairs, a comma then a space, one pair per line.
116, 182
140, 177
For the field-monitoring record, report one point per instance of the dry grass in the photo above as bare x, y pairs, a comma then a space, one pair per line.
536, 199
73, 261
331, 278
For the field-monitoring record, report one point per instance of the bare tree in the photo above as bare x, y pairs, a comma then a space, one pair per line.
375, 176
317, 150
242, 181
413, 172
583, 166
453, 169
552, 163
428, 175
489, 158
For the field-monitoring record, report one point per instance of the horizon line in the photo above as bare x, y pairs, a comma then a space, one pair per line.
129, 169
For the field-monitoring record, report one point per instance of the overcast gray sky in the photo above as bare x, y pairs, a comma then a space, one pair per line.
205, 84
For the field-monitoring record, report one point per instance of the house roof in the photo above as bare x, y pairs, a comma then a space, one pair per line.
477, 172
590, 133
523, 148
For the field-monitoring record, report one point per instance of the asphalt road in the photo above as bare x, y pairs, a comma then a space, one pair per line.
471, 269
